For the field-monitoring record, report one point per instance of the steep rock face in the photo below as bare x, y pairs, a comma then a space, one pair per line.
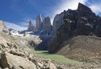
36, 27
31, 26
45, 33
47, 25
58, 21
74, 22
84, 9
38, 23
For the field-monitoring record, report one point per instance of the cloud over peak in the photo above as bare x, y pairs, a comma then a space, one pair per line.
15, 26
96, 8
67, 4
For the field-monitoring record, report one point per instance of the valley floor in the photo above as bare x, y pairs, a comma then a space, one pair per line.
56, 58
66, 63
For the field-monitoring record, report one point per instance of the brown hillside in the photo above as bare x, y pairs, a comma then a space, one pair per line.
82, 48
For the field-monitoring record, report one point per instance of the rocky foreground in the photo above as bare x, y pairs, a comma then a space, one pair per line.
17, 53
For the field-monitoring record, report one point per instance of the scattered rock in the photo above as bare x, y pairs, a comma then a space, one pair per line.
18, 53
12, 61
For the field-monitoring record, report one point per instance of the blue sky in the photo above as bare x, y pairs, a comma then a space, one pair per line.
20, 11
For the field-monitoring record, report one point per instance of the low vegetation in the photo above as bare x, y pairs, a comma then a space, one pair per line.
55, 57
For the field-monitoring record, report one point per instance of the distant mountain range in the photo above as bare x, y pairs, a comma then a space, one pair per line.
66, 25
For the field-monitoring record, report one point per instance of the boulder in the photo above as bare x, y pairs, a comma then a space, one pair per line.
16, 62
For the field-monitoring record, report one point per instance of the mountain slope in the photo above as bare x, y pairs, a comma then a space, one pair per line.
82, 48
72, 23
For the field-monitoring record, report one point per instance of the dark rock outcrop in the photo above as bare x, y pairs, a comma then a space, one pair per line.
31, 27
83, 9
38, 23
58, 21
45, 33
47, 27
72, 23
42, 28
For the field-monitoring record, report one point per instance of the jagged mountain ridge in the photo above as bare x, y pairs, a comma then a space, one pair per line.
41, 25
70, 30
72, 23
67, 25
42, 28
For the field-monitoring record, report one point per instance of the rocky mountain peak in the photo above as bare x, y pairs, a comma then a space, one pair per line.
83, 8
47, 19
73, 23
38, 23
30, 26
47, 24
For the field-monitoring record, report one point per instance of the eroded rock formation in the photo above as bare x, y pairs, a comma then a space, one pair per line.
72, 23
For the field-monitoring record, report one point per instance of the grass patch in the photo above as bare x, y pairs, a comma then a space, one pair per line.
56, 58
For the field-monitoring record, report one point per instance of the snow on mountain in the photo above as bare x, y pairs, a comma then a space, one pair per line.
15, 26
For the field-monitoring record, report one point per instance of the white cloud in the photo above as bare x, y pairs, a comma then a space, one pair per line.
67, 4
26, 21
15, 26
96, 8
21, 26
